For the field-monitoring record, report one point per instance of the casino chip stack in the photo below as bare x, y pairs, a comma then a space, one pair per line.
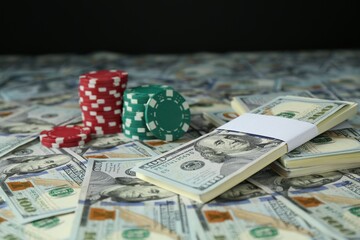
65, 136
101, 95
154, 111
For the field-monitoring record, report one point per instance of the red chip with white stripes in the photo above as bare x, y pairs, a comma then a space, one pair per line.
101, 95
65, 136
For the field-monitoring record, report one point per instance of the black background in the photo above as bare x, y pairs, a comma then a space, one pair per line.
139, 26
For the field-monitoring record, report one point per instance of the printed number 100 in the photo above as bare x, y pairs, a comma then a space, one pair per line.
26, 204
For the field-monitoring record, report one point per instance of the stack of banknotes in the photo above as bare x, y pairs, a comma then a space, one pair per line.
93, 192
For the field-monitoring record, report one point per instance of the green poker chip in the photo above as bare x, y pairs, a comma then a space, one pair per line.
139, 136
167, 115
128, 122
143, 92
132, 108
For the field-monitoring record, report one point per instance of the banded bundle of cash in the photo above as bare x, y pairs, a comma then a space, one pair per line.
217, 161
338, 148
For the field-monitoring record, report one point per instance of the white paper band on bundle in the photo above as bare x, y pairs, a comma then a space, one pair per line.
293, 132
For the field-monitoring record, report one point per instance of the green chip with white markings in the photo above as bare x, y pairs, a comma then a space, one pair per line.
144, 91
167, 115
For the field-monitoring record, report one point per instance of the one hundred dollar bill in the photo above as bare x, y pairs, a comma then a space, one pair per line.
248, 212
333, 146
217, 161
220, 117
124, 151
34, 119
246, 103
56, 227
114, 204
330, 199
9, 142
39, 182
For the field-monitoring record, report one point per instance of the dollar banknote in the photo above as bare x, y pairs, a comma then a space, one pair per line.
333, 146
114, 204
35, 118
246, 103
248, 212
162, 146
114, 146
9, 142
133, 149
220, 117
329, 199
56, 227
209, 165
39, 182
10, 230
8, 108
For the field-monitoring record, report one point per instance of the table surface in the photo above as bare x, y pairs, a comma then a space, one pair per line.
208, 81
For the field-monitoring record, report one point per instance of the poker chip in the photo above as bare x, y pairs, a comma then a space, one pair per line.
151, 111
106, 130
104, 77
142, 93
167, 115
95, 105
61, 141
101, 94
104, 124
114, 97
65, 145
135, 100
110, 101
138, 136
66, 134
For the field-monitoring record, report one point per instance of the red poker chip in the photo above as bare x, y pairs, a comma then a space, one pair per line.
100, 121
100, 89
58, 141
99, 117
120, 85
100, 101
110, 114
104, 76
99, 108
99, 105
106, 131
106, 124
66, 133
65, 145
110, 94
86, 108
90, 97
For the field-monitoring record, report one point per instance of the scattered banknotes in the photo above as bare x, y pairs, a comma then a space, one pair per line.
248, 212
330, 199
39, 182
114, 204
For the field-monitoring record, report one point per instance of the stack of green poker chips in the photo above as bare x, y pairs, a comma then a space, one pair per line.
133, 116
167, 115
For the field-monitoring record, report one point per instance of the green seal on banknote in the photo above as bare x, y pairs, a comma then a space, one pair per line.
46, 222
61, 192
264, 232
136, 234
355, 211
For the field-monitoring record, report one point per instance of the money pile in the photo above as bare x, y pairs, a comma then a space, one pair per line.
92, 192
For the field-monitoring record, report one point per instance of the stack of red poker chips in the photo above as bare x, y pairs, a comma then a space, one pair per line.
65, 136
101, 95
